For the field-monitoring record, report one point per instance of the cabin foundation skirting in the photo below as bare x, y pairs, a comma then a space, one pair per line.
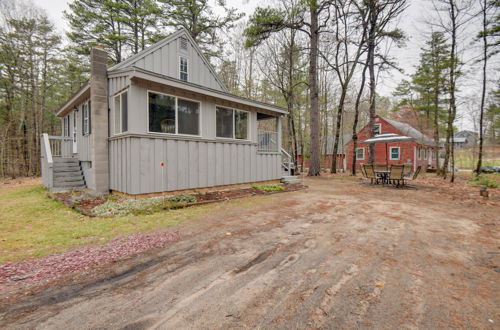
135, 164
197, 190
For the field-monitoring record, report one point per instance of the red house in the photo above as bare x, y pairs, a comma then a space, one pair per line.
419, 152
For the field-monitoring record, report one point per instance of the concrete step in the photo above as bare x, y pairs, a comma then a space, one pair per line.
291, 179
66, 174
286, 177
66, 168
70, 178
59, 160
70, 184
298, 181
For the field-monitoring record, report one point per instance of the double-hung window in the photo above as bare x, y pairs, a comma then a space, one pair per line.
394, 153
231, 123
360, 153
121, 113
86, 118
377, 129
172, 115
183, 68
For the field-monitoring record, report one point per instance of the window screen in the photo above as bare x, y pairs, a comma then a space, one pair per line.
124, 111
161, 113
240, 125
117, 119
189, 117
224, 122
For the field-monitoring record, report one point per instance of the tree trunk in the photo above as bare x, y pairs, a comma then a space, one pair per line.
371, 69
483, 92
333, 169
356, 118
314, 165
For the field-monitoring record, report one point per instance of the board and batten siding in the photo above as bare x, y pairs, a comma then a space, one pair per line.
189, 164
165, 60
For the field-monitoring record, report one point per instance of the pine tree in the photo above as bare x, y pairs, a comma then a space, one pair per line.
96, 22
199, 19
430, 84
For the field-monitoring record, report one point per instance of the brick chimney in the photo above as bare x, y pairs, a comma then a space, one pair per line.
99, 180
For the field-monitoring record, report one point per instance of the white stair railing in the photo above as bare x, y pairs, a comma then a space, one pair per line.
47, 161
287, 162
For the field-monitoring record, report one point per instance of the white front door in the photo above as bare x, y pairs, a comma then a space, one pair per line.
75, 149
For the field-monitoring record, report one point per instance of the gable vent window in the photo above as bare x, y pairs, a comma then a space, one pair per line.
183, 68
183, 43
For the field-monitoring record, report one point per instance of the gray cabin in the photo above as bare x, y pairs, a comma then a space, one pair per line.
161, 120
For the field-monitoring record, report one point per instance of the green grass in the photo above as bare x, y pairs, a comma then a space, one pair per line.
31, 224
488, 180
467, 159
268, 187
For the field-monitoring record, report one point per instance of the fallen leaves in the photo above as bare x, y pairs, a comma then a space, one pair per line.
80, 259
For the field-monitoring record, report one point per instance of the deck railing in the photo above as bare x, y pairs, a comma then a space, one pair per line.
61, 146
268, 141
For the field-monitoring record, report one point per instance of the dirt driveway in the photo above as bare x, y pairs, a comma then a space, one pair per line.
339, 255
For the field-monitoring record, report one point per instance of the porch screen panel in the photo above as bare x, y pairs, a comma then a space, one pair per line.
224, 122
161, 113
189, 117
241, 125
124, 112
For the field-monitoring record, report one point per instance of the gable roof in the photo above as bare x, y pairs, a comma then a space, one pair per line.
408, 130
181, 32
466, 133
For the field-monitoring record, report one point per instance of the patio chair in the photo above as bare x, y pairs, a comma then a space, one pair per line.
370, 173
380, 166
396, 175
363, 172
412, 177
407, 170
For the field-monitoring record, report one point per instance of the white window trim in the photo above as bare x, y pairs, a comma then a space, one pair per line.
179, 67
249, 125
379, 128
119, 94
85, 108
362, 158
390, 153
425, 154
176, 115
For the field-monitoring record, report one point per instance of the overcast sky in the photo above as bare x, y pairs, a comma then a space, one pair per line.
413, 22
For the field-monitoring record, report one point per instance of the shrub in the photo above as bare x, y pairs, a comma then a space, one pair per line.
183, 198
481, 180
141, 206
268, 187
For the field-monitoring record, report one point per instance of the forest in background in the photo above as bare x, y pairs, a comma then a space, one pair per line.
320, 59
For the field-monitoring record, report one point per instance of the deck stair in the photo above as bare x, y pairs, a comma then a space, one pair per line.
68, 174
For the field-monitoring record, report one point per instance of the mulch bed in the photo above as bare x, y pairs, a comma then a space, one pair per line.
84, 202
22, 273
